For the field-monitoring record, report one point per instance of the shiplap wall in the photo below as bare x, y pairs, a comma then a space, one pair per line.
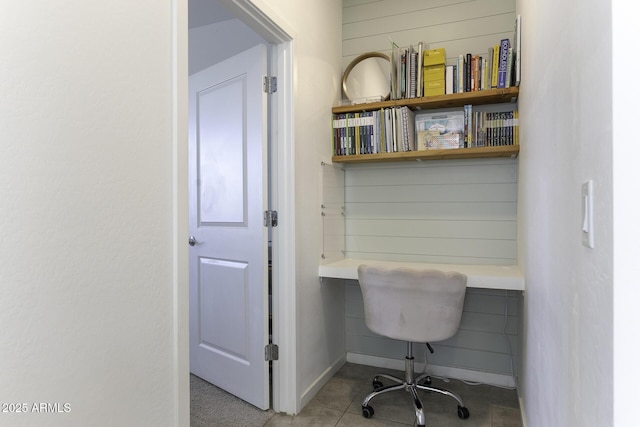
460, 27
487, 341
457, 211
454, 212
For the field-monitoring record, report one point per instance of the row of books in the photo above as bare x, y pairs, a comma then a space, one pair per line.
406, 71
490, 129
398, 129
387, 130
500, 68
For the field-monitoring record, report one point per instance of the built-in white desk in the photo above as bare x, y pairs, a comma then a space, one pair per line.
507, 277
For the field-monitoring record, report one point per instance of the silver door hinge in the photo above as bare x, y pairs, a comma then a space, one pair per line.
270, 352
270, 218
270, 84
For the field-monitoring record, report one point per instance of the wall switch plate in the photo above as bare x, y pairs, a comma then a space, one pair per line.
587, 214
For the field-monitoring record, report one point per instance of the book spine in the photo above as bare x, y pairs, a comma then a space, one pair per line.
516, 52
509, 68
474, 74
485, 74
335, 127
467, 86
419, 74
494, 66
467, 127
448, 79
502, 69
460, 74
489, 72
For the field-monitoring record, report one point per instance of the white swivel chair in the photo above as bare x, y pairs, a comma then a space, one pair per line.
413, 306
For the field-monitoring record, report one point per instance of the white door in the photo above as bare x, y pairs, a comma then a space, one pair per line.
227, 198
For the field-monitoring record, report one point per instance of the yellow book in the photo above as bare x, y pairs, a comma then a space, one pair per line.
434, 91
434, 72
494, 66
434, 57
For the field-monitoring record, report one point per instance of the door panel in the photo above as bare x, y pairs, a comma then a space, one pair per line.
227, 198
222, 166
224, 283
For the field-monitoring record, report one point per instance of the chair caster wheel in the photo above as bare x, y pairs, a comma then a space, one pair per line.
427, 380
367, 411
463, 412
377, 384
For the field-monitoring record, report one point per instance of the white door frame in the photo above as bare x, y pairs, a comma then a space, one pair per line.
264, 21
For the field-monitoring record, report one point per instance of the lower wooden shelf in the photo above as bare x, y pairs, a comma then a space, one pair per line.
456, 153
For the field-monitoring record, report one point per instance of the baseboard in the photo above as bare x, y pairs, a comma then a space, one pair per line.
490, 378
522, 411
322, 379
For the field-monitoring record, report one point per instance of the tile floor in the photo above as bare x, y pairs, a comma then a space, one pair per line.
338, 404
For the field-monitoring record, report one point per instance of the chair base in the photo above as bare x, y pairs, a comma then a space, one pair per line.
411, 386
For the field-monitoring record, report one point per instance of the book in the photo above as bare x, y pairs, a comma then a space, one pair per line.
389, 131
395, 72
485, 74
489, 65
409, 131
467, 77
419, 83
460, 77
503, 60
474, 73
448, 80
412, 72
516, 52
468, 110
509, 68
494, 66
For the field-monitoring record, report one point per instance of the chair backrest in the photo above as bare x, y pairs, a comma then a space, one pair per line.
412, 305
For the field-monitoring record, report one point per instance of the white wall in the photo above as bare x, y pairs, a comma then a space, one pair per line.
566, 139
320, 305
626, 231
88, 214
213, 43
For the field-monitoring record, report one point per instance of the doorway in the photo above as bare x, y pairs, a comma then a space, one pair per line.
281, 184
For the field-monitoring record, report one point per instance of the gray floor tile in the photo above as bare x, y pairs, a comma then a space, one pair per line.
338, 393
505, 417
355, 420
339, 404
312, 415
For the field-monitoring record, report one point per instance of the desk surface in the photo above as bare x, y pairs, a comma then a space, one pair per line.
507, 277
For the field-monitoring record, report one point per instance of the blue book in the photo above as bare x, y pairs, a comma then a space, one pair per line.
503, 59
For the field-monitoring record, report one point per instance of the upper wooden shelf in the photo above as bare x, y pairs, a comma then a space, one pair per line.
489, 96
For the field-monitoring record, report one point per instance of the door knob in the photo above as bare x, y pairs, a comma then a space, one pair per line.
192, 241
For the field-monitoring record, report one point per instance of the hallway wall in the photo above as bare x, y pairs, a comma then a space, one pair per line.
89, 215
566, 139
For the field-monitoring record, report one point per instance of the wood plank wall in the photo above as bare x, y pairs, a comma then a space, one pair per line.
459, 26
461, 211
454, 212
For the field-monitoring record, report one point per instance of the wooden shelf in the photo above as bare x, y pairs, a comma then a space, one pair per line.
456, 153
490, 96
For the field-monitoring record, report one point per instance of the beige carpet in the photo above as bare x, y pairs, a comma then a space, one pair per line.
211, 406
